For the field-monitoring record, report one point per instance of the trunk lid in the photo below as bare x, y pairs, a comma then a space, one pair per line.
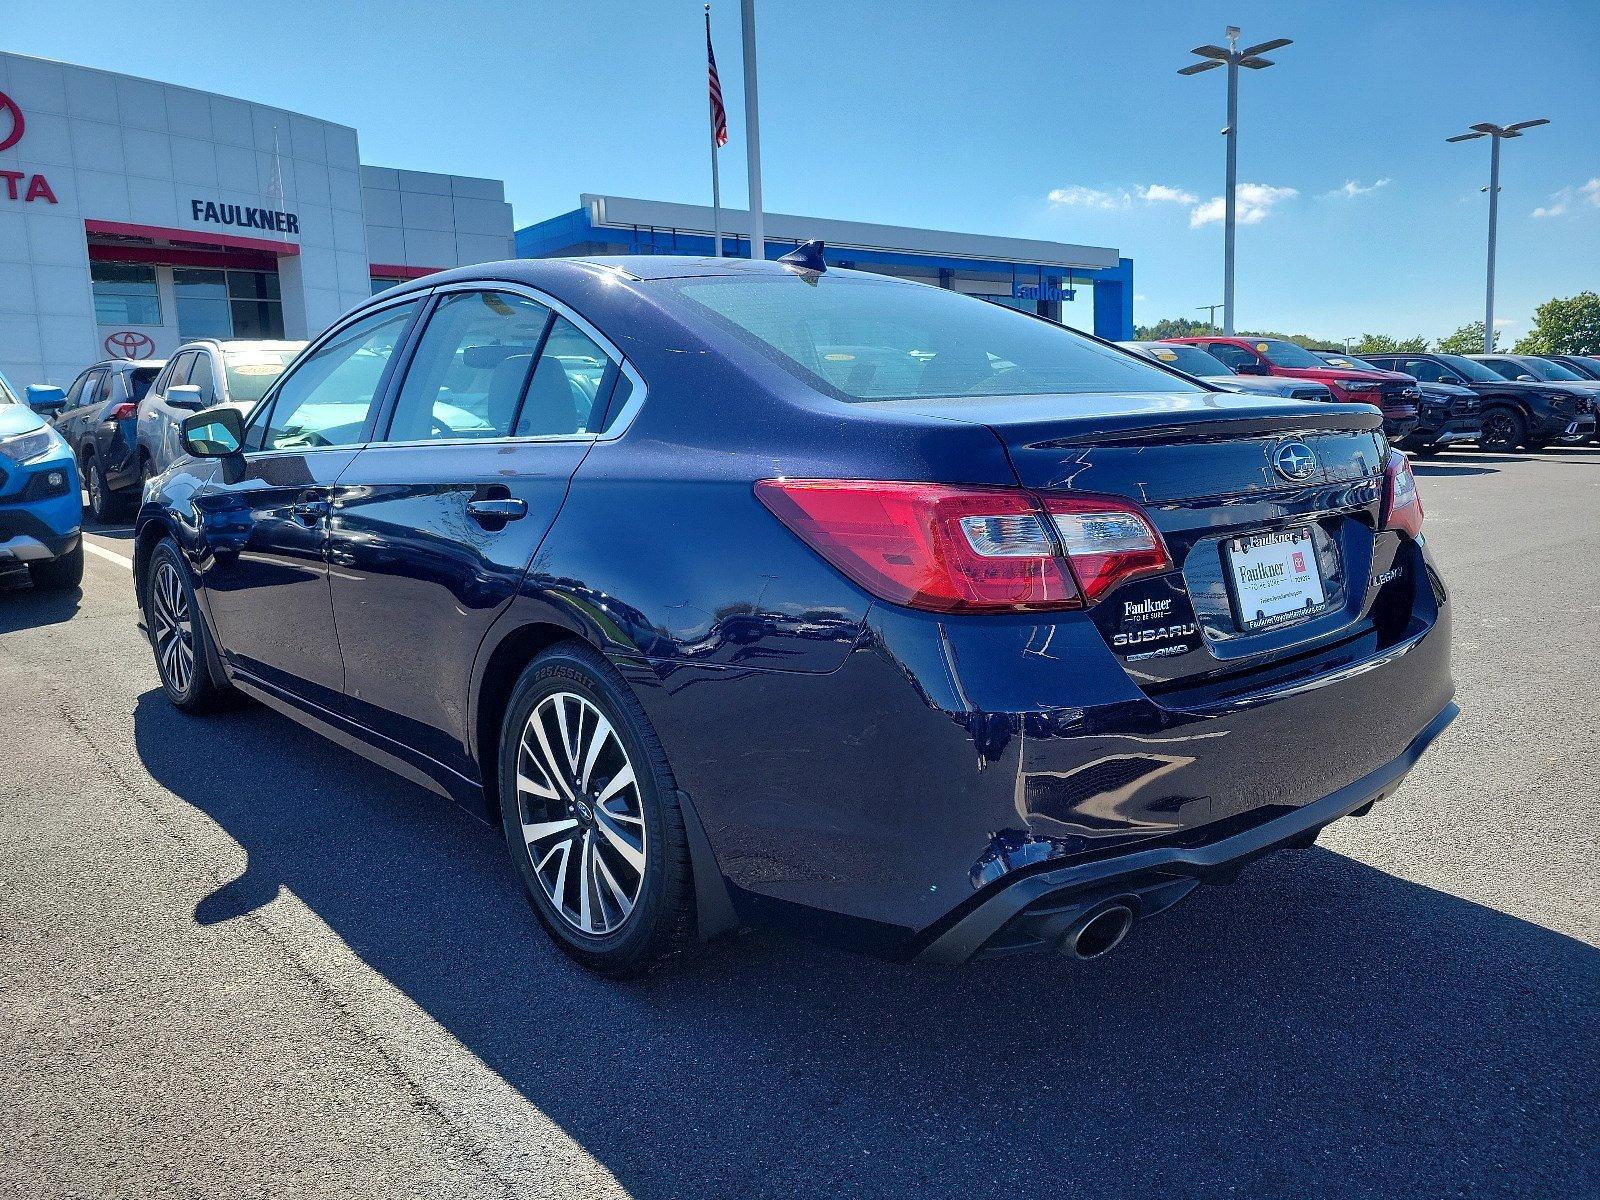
1203, 467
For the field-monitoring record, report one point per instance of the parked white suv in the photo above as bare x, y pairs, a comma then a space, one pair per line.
203, 373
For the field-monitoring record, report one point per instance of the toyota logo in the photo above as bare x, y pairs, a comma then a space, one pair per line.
8, 105
129, 344
1294, 461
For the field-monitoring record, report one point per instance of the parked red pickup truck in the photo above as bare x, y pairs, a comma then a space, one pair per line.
1396, 395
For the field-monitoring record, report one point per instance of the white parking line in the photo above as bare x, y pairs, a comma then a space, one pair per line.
108, 555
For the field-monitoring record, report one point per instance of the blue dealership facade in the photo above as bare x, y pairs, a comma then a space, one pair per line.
1088, 287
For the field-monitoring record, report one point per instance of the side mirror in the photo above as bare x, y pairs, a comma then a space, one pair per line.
46, 399
185, 395
1526, 379
1251, 367
215, 433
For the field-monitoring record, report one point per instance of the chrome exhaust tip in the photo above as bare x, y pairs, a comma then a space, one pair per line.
1100, 932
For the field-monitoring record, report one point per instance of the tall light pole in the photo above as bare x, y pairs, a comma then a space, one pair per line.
752, 136
1496, 134
1210, 311
1233, 58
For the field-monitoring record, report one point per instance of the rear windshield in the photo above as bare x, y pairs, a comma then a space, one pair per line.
139, 381
859, 339
251, 372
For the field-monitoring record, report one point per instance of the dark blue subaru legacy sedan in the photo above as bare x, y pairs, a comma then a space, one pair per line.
762, 594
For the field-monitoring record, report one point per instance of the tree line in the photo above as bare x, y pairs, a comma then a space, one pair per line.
1569, 325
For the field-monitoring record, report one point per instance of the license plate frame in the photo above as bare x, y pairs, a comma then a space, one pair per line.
1301, 593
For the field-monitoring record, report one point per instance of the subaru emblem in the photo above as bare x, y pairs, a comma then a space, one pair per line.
1294, 461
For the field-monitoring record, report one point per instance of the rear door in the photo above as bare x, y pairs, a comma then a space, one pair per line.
265, 527
434, 524
81, 411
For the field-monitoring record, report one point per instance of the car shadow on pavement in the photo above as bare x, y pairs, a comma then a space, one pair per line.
23, 606
1423, 468
1321, 1028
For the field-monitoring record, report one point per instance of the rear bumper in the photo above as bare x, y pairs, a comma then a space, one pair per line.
949, 758
1029, 913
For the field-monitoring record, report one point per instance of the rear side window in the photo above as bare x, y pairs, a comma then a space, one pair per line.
862, 339
471, 368
326, 400
562, 395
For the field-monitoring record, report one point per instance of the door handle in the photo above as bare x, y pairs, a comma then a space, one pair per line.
497, 511
309, 511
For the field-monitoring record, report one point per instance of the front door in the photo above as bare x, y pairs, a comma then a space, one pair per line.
435, 523
265, 527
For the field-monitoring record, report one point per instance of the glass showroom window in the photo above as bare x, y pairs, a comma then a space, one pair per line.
125, 294
382, 283
228, 304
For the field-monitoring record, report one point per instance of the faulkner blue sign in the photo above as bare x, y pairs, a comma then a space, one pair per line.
243, 216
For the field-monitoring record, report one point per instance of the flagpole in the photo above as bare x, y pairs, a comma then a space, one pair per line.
752, 151
716, 180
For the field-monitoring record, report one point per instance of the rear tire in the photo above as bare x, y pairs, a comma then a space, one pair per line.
61, 574
591, 817
178, 635
1503, 431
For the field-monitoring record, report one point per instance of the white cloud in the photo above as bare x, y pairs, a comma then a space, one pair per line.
1503, 322
1350, 189
1562, 201
1158, 193
1255, 201
1076, 195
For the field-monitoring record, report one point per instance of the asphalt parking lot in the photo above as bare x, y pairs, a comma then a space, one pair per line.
237, 960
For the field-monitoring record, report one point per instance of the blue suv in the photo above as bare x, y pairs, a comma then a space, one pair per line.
41, 508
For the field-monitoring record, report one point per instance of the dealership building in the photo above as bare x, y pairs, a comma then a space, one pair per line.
135, 215
1087, 287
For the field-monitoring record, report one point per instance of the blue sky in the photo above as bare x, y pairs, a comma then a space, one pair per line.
972, 117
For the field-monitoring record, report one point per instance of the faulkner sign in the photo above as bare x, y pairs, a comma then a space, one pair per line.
243, 216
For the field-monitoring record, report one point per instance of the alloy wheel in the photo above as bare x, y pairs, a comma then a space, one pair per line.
96, 496
173, 628
1499, 431
581, 813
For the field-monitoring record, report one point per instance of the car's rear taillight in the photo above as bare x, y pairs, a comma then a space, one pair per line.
1402, 506
122, 412
968, 549
1108, 542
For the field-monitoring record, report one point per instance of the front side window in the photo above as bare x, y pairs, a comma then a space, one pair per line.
471, 368
1423, 369
1234, 357
1470, 368
561, 397
200, 376
1553, 372
1189, 359
125, 294
1288, 355
327, 398
862, 339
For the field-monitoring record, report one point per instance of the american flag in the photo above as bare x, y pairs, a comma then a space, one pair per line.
719, 115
